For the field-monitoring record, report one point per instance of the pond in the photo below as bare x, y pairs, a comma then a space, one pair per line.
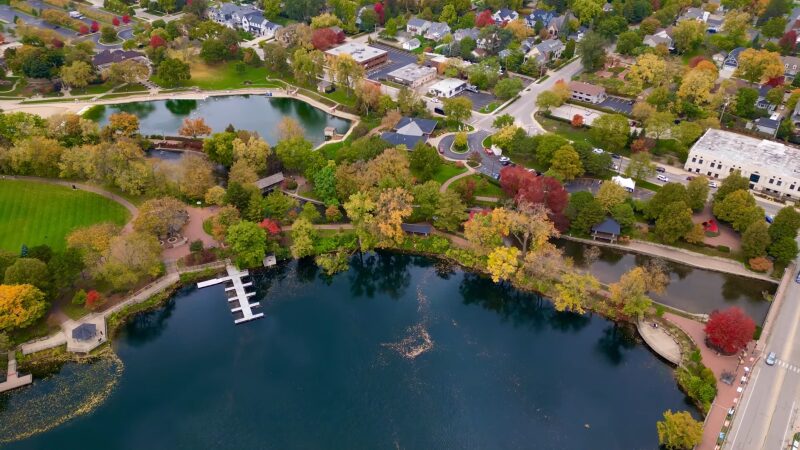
697, 291
398, 352
245, 112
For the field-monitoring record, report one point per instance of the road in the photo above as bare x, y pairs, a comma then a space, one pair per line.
766, 413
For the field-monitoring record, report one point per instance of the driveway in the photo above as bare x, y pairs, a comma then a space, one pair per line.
7, 14
618, 104
479, 99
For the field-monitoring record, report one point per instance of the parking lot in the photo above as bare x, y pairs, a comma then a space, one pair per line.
479, 99
7, 15
397, 59
618, 104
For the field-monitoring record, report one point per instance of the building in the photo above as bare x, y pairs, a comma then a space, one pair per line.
105, 58
732, 60
473, 33
772, 167
255, 23
411, 44
417, 26
449, 87
368, 57
609, 230
269, 183
796, 115
437, 30
546, 51
660, 37
767, 125
410, 131
422, 229
540, 16
585, 92
504, 15
412, 75
791, 65
697, 14
229, 14
714, 23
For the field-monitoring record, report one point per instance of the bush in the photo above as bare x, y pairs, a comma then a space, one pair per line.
79, 299
196, 246
94, 300
723, 248
760, 264
660, 310
757, 334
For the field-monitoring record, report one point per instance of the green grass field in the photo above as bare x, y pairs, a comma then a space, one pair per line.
37, 213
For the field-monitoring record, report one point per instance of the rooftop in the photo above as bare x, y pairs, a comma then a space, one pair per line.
415, 126
586, 88
360, 52
738, 149
412, 72
448, 84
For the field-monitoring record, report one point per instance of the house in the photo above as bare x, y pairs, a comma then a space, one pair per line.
542, 17
578, 34
504, 15
229, 14
104, 59
449, 87
365, 55
714, 23
557, 25
793, 22
256, 24
410, 131
459, 35
791, 65
411, 44
608, 8
325, 87
527, 44
609, 230
437, 30
767, 125
585, 92
546, 51
697, 14
660, 37
422, 229
490, 42
762, 102
269, 183
412, 75
796, 116
417, 26
732, 60
771, 167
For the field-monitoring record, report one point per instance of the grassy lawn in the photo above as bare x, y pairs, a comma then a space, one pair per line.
483, 186
447, 171
225, 76
489, 108
93, 89
37, 213
565, 130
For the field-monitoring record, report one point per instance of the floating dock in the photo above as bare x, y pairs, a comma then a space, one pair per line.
242, 308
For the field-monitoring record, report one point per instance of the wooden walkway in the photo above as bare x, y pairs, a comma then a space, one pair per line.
242, 309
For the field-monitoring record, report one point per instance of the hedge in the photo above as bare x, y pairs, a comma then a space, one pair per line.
96, 14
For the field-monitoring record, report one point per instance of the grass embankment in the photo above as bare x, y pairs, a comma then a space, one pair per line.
484, 187
225, 76
37, 213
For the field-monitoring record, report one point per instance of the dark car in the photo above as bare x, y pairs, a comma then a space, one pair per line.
689, 178
660, 169
615, 156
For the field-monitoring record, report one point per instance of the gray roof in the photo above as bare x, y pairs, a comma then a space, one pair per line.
741, 150
114, 56
438, 28
767, 123
84, 331
419, 228
270, 181
425, 125
464, 32
416, 22
396, 139
609, 226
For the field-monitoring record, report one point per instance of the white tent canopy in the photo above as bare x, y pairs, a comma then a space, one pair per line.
627, 183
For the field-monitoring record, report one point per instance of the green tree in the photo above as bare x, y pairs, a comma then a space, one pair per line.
687, 34
77, 75
548, 100
172, 72
590, 215
746, 102
611, 131
785, 224
457, 109
697, 193
668, 194
361, 210
310, 213
28, 271
503, 121
739, 209
674, 222
640, 166
507, 88
610, 195
248, 242
679, 430
755, 240
303, 236
450, 211
449, 15
566, 164
593, 51
628, 41
784, 250
732, 183
425, 161
277, 205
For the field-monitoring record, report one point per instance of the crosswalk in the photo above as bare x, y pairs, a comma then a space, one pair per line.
787, 366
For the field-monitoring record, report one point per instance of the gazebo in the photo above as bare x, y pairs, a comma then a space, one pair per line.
84, 332
608, 230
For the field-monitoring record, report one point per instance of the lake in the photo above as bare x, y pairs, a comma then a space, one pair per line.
399, 352
245, 112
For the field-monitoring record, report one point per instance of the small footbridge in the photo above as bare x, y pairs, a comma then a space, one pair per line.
242, 308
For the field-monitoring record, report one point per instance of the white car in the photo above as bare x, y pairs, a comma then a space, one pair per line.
599, 151
663, 178
713, 184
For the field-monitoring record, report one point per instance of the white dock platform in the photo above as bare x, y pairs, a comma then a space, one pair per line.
243, 310
13, 378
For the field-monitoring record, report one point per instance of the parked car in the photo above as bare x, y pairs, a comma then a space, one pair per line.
505, 160
771, 358
713, 184
615, 156
660, 169
689, 178
75, 15
488, 150
769, 218
598, 151
662, 178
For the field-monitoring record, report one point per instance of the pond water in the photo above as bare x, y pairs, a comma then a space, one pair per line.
694, 290
245, 112
398, 352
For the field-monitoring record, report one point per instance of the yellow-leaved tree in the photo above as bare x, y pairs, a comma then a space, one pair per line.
20, 305
503, 263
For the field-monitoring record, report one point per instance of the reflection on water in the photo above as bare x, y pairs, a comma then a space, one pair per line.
694, 290
399, 352
245, 112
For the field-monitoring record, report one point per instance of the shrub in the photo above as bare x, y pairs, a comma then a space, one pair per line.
196, 246
760, 264
79, 299
723, 248
94, 300
660, 310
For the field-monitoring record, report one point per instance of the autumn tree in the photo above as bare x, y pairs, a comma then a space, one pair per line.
392, 207
549, 192
687, 34
610, 195
248, 242
77, 75
696, 86
361, 211
512, 178
194, 127
679, 430
486, 230
729, 330
566, 164
630, 292
129, 71
324, 38
346, 72
759, 65
307, 67
93, 241
577, 121
574, 291
123, 124
130, 258
649, 69
196, 177
20, 306
531, 226
160, 216
254, 152
640, 166
502, 263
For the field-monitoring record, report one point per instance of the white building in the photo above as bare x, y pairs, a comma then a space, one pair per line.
585, 92
417, 26
772, 167
412, 75
449, 87
365, 55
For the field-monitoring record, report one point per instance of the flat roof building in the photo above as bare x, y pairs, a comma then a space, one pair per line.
772, 167
412, 75
364, 55
449, 87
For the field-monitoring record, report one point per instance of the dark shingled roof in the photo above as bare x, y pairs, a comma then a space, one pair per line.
395, 139
426, 125
419, 228
84, 331
609, 226
114, 56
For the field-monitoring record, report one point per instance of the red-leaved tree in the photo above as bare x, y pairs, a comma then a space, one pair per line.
788, 41
157, 41
696, 60
115, 21
484, 18
577, 121
57, 43
513, 178
730, 330
83, 29
324, 38
549, 192
270, 226
93, 299
126, 19
379, 11
775, 82
95, 27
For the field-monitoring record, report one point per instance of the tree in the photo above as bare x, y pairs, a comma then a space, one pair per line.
507, 88
628, 41
484, 19
129, 71
130, 257
739, 209
487, 229
95, 27
630, 292
93, 241
610, 195
392, 207
254, 152
20, 306
574, 291
531, 227
577, 121
160, 216
687, 34
549, 192
668, 194
194, 127
360, 209
697, 193
368, 96
659, 123
696, 86
640, 166
347, 72
123, 124
784, 250
512, 178
788, 41
303, 236
502, 263
732, 183
172, 71
593, 51
195, 177
549, 99
745, 102
324, 38
611, 131
674, 222
759, 65
28, 271
566, 164
687, 132
77, 75
457, 109
307, 67
425, 161
785, 224
503, 121
157, 41
755, 240
248, 242
679, 430
649, 69
108, 34
729, 330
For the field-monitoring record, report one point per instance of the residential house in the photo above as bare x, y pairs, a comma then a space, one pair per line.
660, 37
490, 43
417, 26
732, 60
504, 15
256, 24
697, 14
767, 126
796, 115
578, 34
762, 102
459, 35
437, 30
229, 14
104, 59
557, 25
546, 51
540, 16
410, 131
411, 44
791, 66
793, 23
585, 92
527, 44
714, 23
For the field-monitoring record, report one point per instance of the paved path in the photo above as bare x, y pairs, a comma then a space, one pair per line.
446, 184
659, 339
13, 379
